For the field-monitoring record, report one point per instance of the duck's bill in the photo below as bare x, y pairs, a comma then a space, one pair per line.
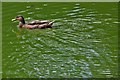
13, 19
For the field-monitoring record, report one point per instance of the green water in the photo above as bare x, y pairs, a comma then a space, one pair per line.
81, 44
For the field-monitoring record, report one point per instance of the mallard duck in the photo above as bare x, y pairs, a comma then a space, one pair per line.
33, 24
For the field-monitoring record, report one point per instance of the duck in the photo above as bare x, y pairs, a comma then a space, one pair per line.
40, 24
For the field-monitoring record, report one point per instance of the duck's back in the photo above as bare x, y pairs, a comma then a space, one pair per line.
37, 22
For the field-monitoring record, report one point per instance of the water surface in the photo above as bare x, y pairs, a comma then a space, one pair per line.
81, 44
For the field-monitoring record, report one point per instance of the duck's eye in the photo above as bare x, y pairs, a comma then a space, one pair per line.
17, 17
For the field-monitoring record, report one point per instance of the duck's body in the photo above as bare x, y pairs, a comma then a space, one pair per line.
33, 24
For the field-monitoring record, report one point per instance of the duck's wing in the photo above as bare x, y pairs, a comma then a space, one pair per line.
37, 22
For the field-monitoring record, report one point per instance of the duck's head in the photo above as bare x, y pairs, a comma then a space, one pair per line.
19, 18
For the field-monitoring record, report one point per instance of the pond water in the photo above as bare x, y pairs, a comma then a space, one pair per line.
81, 44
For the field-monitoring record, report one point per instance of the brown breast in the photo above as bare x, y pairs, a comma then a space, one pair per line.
20, 25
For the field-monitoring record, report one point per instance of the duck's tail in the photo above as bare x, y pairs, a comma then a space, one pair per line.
51, 23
